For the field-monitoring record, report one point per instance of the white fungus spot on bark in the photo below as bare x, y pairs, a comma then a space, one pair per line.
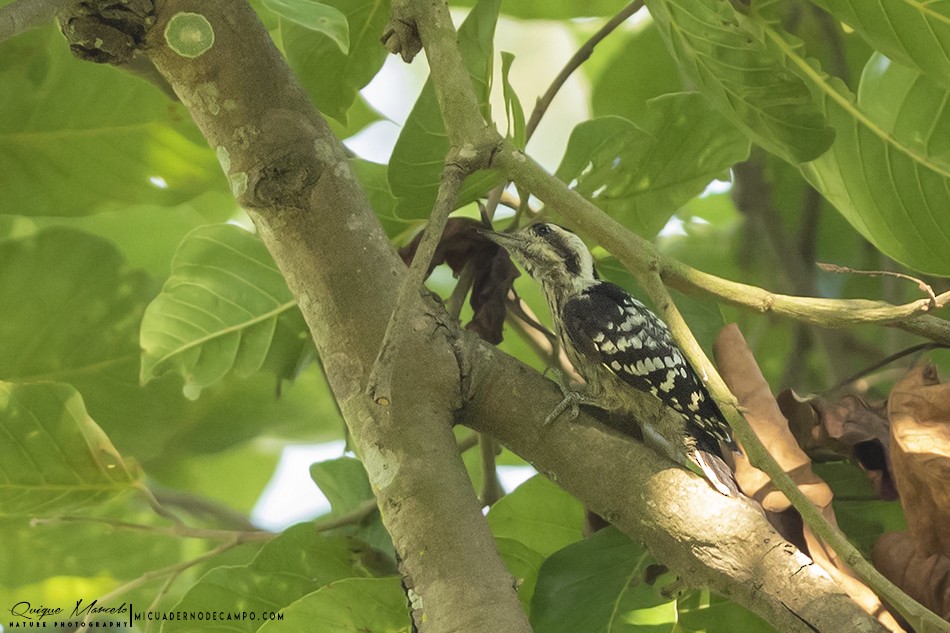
224, 157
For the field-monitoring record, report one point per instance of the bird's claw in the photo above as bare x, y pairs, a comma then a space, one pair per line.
572, 398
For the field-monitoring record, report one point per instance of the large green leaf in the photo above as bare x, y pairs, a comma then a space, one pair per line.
641, 174
75, 135
294, 564
888, 180
148, 235
333, 78
354, 605
219, 311
908, 106
640, 69
600, 584
53, 457
538, 514
742, 77
315, 16
914, 33
415, 168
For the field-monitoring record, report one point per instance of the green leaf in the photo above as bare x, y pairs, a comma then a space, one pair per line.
71, 140
333, 78
415, 168
149, 234
621, 87
600, 584
745, 80
860, 513
538, 514
524, 564
553, 9
373, 178
55, 458
343, 481
70, 310
892, 189
908, 106
69, 307
717, 615
354, 605
516, 123
219, 311
346, 486
641, 175
913, 33
297, 562
82, 551
315, 16
360, 116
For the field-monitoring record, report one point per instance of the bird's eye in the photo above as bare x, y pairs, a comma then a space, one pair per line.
541, 229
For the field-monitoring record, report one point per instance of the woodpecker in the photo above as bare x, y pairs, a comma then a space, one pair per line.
616, 344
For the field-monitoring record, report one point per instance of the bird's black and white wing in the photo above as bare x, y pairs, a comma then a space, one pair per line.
616, 330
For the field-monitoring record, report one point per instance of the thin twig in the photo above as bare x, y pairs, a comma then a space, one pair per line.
884, 362
462, 286
924, 286
637, 254
24, 15
205, 508
763, 460
176, 569
379, 385
181, 531
354, 517
582, 54
153, 605
544, 343
492, 490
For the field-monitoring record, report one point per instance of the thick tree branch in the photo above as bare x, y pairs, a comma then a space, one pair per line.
287, 169
653, 270
740, 557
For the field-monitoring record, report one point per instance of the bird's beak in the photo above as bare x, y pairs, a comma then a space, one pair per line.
509, 242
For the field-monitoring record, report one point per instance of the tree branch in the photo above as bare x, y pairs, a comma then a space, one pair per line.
678, 516
639, 256
581, 56
23, 15
653, 269
380, 378
287, 169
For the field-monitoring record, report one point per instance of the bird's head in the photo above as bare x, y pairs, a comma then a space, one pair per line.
555, 257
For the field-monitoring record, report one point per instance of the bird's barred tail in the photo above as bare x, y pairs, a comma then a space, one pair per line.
716, 471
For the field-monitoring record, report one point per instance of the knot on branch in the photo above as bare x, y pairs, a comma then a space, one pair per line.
402, 38
470, 157
107, 31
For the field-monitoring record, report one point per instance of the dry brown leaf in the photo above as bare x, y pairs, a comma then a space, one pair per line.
924, 578
919, 411
743, 377
492, 272
741, 373
851, 427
